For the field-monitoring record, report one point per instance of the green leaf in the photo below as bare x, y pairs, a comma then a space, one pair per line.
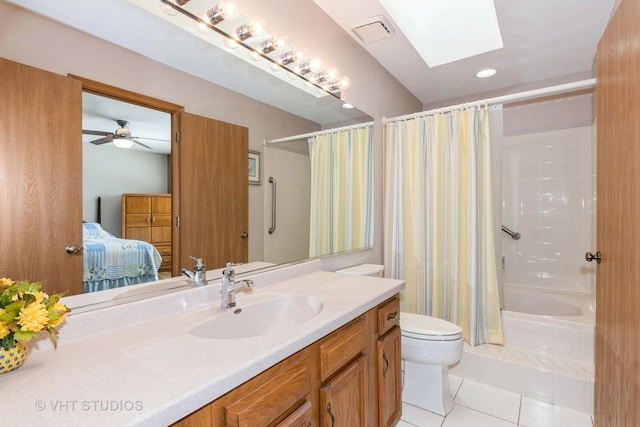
53, 335
7, 342
24, 336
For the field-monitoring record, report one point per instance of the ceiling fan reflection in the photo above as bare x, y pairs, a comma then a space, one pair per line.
122, 135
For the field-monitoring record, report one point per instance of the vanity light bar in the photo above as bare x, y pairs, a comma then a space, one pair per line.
225, 11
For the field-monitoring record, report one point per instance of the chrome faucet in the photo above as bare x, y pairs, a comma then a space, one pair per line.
199, 273
230, 285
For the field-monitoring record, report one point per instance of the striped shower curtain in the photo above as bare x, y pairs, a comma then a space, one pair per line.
438, 226
341, 190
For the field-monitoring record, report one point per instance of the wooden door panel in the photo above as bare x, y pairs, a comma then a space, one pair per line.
160, 235
161, 205
343, 398
617, 359
389, 378
138, 204
40, 176
214, 194
161, 221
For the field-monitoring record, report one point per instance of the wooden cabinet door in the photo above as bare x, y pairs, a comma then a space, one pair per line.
343, 398
40, 177
214, 191
389, 378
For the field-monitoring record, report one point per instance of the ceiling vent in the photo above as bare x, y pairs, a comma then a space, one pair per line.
373, 30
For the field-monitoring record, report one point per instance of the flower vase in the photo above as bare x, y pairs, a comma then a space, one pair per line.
13, 358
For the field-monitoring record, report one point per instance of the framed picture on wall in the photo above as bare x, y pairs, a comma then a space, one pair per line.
254, 167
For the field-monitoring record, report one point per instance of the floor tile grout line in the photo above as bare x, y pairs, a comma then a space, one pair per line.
520, 410
486, 413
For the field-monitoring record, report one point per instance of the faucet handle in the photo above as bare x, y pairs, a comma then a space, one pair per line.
228, 271
199, 265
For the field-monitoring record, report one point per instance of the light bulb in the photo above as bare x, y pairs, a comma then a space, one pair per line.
255, 28
231, 43
202, 27
223, 10
344, 82
255, 55
332, 75
316, 65
258, 26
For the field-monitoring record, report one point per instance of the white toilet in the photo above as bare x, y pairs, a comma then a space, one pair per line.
428, 346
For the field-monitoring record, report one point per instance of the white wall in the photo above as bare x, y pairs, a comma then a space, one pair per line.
549, 197
109, 172
292, 172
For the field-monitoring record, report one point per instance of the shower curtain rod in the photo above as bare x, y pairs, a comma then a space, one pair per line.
320, 132
505, 99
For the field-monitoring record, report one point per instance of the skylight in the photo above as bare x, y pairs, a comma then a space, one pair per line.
444, 31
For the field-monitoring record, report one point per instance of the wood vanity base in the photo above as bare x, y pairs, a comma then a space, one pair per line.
351, 378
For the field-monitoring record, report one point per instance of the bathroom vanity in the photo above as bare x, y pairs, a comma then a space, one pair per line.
303, 346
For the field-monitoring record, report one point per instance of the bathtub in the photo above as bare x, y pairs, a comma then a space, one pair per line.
553, 322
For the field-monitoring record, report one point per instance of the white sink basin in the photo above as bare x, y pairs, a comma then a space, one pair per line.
259, 318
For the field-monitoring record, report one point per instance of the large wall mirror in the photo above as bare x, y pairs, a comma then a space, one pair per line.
109, 171
109, 183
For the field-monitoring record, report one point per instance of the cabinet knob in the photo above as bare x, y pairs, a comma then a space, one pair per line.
244, 235
593, 257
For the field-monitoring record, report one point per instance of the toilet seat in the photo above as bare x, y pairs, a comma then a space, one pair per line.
427, 328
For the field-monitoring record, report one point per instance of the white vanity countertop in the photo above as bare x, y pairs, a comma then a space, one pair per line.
155, 372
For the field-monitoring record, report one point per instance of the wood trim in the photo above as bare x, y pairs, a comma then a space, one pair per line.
114, 92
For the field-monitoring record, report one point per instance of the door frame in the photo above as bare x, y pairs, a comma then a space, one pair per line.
128, 96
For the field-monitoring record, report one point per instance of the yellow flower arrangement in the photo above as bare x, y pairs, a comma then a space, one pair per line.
25, 311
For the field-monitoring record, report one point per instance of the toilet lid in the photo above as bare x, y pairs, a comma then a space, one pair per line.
428, 328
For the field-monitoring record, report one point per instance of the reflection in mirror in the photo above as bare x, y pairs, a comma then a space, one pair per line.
321, 193
126, 168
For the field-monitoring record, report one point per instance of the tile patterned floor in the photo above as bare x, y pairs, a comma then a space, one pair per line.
480, 405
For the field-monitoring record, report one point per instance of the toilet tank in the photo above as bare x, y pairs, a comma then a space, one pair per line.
373, 270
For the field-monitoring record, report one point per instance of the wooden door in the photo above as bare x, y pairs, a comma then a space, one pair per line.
617, 358
389, 378
343, 398
40, 177
136, 217
214, 193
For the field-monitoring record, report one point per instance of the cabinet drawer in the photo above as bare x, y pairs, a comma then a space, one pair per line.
138, 220
268, 401
389, 315
301, 417
341, 347
164, 250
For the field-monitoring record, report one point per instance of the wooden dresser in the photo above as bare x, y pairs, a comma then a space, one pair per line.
147, 217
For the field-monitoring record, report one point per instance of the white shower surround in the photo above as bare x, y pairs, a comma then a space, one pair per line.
549, 197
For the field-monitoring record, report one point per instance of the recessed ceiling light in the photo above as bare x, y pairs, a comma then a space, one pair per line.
483, 74
347, 106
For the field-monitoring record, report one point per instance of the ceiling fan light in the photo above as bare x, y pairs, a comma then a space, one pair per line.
123, 142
